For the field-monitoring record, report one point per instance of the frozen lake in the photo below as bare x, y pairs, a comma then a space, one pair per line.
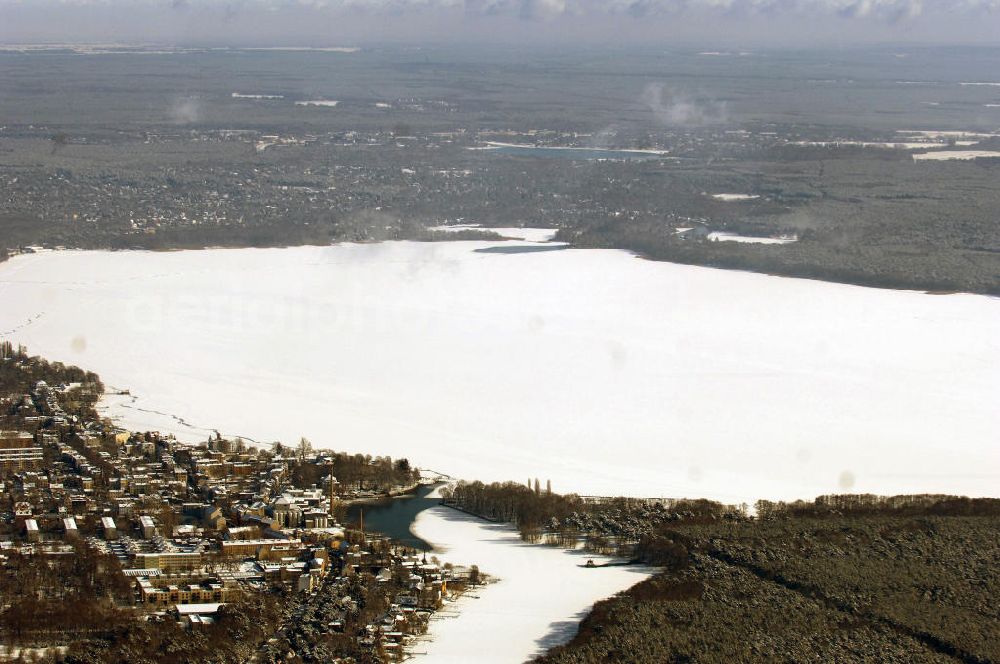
603, 372
556, 152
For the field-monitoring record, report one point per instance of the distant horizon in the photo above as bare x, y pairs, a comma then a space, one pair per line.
335, 45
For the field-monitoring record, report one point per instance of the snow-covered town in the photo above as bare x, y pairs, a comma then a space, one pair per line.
180, 531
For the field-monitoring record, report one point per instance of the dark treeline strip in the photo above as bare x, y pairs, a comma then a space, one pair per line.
870, 504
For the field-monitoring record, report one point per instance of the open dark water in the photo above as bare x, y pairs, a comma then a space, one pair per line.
394, 517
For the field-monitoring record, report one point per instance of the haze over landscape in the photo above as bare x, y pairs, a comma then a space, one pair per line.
759, 23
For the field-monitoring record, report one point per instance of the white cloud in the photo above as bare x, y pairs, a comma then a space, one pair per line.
678, 109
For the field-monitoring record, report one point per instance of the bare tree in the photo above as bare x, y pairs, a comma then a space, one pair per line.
305, 447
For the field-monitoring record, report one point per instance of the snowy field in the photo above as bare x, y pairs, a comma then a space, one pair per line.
240, 95
720, 236
959, 155
735, 198
606, 373
541, 595
492, 145
873, 144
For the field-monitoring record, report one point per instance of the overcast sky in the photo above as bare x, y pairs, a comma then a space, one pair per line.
350, 22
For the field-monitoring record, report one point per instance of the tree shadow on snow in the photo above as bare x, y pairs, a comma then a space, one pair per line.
519, 249
560, 632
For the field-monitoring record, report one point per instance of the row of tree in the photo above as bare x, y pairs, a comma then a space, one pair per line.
870, 504
544, 516
529, 509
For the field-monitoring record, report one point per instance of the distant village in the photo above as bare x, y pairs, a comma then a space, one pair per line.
190, 529
252, 188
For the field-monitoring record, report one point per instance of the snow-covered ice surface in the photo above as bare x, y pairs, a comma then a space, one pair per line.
541, 595
143, 417
606, 373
